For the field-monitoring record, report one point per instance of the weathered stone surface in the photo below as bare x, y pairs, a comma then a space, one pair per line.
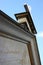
13, 52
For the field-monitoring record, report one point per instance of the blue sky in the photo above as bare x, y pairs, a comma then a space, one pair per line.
11, 7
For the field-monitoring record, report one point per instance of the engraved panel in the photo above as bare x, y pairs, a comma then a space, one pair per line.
13, 52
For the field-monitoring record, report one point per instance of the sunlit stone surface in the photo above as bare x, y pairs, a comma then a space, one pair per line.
13, 52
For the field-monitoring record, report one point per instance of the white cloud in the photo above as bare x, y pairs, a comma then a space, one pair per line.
29, 8
40, 34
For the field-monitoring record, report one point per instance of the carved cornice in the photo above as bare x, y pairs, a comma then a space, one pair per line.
10, 29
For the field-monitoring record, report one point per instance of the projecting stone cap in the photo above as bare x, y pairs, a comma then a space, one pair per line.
25, 17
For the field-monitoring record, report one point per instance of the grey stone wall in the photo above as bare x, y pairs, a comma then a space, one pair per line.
13, 52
